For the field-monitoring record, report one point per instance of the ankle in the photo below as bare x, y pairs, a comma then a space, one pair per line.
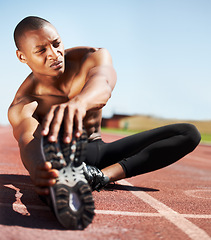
114, 172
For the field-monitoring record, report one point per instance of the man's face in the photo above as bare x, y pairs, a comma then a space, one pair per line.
43, 51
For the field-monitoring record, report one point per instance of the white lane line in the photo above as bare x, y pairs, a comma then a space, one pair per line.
177, 219
196, 216
144, 214
111, 212
199, 193
133, 214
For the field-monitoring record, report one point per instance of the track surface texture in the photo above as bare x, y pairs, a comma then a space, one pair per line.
172, 203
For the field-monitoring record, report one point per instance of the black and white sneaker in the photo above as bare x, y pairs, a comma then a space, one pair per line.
71, 196
96, 179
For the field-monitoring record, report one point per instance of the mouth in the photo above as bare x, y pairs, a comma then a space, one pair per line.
56, 65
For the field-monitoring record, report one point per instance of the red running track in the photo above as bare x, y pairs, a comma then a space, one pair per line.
172, 203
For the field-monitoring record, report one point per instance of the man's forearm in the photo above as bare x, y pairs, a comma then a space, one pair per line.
97, 91
28, 135
31, 155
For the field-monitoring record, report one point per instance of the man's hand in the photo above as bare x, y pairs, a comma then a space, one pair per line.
44, 177
71, 114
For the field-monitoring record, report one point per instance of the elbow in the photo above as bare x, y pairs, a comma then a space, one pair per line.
104, 96
112, 79
110, 83
24, 139
108, 91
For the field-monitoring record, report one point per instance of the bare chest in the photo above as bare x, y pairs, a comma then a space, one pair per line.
46, 102
72, 85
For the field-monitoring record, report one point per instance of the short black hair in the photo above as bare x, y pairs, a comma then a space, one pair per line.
28, 23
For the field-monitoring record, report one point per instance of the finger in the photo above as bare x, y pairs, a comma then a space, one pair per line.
41, 182
56, 124
47, 165
52, 174
45, 171
44, 166
78, 124
68, 125
47, 121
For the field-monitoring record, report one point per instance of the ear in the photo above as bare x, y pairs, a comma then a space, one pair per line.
21, 56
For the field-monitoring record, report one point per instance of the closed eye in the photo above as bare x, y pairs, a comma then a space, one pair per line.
42, 50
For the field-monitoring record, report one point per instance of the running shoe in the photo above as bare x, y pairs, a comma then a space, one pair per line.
96, 179
71, 196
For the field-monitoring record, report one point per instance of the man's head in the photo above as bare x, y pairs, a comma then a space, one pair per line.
27, 24
39, 46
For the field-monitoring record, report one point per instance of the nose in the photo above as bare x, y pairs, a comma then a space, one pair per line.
52, 53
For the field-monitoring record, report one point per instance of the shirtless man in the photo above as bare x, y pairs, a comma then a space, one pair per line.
69, 88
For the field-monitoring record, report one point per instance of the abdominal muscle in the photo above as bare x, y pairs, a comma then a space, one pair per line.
92, 124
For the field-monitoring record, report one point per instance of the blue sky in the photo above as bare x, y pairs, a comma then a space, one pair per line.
161, 51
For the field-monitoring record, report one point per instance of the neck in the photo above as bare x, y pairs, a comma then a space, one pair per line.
48, 84
45, 79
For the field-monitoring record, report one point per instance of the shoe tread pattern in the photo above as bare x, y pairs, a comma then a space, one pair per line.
69, 218
59, 154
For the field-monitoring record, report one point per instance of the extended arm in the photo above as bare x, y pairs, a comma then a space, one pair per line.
27, 132
100, 81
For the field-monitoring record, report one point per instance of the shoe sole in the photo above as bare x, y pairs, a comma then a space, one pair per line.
71, 196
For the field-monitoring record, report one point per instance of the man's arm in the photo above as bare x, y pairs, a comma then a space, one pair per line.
100, 81
27, 132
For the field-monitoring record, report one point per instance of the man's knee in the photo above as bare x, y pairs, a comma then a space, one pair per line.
193, 135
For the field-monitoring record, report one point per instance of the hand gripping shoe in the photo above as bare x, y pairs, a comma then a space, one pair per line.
96, 179
71, 196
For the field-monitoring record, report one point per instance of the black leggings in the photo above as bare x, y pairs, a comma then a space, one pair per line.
146, 151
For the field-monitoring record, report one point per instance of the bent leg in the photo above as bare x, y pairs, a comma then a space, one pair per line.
163, 152
150, 150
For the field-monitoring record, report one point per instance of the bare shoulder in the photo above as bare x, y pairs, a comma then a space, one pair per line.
23, 105
21, 110
79, 52
98, 61
26, 89
100, 57
89, 61
97, 56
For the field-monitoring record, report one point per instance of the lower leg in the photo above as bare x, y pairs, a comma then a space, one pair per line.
114, 172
